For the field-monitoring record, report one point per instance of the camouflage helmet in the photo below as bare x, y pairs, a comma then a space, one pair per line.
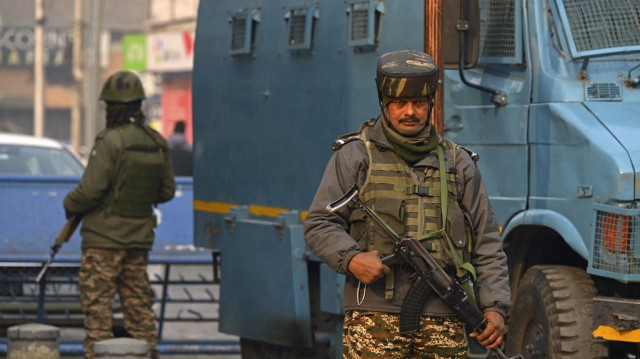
406, 74
123, 86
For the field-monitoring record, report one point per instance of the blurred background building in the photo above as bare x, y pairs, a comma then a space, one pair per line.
82, 43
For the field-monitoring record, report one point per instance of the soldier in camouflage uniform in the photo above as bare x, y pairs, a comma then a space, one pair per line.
129, 171
396, 161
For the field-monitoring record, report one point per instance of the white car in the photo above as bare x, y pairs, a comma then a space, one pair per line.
37, 156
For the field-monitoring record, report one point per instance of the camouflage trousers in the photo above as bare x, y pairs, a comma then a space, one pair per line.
103, 273
377, 335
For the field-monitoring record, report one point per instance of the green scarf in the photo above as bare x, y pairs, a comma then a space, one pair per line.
406, 147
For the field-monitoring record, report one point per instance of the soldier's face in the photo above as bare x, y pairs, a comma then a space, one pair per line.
408, 116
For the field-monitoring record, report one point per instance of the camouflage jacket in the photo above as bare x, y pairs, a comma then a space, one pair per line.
327, 233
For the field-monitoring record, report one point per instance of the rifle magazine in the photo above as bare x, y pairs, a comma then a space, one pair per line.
412, 306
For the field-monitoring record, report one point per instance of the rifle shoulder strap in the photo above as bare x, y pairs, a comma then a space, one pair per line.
468, 267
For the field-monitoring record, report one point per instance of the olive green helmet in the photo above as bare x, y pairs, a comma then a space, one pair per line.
406, 74
124, 87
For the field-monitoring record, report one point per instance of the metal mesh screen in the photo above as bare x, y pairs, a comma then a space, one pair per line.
497, 28
238, 33
604, 23
297, 27
616, 243
360, 22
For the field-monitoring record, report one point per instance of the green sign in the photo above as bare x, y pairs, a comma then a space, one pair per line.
134, 52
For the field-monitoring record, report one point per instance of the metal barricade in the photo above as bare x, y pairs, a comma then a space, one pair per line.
186, 292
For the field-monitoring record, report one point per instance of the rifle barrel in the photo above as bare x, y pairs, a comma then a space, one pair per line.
44, 269
64, 235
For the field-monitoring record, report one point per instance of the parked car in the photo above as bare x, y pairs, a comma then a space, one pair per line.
35, 175
38, 156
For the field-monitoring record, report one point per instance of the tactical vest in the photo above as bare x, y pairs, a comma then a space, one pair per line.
411, 204
138, 182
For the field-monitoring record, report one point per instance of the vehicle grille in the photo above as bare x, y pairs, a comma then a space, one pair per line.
616, 246
604, 92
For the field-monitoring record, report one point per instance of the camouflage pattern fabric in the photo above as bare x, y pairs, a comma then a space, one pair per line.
377, 335
406, 74
103, 273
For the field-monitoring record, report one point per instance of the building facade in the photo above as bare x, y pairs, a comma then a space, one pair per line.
166, 27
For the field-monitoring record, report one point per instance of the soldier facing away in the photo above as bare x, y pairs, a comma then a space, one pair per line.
128, 172
396, 162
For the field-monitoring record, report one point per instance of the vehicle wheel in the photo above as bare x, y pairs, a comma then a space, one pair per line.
552, 315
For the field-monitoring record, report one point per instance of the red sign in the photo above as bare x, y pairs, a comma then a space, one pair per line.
176, 105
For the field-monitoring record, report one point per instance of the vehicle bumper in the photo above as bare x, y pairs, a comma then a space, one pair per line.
616, 319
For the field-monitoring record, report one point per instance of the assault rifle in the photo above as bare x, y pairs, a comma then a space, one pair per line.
427, 276
63, 236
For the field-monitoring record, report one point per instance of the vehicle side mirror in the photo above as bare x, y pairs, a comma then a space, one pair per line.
460, 29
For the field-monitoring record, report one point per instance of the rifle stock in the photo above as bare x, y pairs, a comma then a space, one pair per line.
64, 235
426, 271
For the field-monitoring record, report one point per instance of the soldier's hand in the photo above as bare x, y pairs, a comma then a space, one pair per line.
492, 335
368, 267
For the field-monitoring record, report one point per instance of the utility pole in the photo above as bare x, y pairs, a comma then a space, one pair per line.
433, 21
78, 76
38, 70
92, 77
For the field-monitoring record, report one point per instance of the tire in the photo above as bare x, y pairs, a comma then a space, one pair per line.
552, 315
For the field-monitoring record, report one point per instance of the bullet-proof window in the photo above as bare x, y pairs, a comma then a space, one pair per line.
595, 28
500, 32
301, 25
364, 22
243, 31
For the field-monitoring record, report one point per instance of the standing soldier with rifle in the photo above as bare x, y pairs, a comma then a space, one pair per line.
128, 172
400, 167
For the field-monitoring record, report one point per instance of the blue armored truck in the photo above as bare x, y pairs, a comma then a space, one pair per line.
549, 104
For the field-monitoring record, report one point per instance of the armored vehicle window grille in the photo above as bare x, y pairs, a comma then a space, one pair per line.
243, 26
617, 243
301, 26
604, 92
297, 27
500, 39
360, 22
364, 22
603, 24
238, 33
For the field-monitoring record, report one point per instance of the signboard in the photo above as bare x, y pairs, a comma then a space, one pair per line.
134, 52
170, 52
176, 105
17, 47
